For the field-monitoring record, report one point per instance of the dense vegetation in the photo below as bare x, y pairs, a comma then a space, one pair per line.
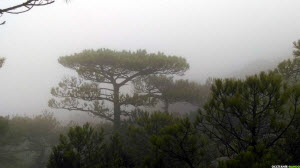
26, 142
251, 123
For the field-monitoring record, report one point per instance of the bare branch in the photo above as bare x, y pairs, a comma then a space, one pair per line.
24, 7
72, 104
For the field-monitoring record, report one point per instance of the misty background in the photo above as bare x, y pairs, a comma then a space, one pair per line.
218, 38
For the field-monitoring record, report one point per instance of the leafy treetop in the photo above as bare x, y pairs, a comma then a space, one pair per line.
107, 63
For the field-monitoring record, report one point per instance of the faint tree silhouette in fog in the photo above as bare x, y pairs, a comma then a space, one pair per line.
290, 68
169, 91
2, 61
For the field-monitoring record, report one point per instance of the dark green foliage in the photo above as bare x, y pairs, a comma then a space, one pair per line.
249, 159
3, 125
152, 123
139, 133
256, 113
83, 147
163, 140
180, 144
116, 153
290, 146
150, 141
115, 69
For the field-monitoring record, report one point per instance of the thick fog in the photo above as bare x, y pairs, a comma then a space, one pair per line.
219, 38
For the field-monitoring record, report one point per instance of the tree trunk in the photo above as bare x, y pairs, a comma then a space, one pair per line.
117, 109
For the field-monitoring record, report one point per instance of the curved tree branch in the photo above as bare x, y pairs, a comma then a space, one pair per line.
24, 7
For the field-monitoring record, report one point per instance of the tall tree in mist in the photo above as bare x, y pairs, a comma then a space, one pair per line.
170, 91
255, 112
102, 73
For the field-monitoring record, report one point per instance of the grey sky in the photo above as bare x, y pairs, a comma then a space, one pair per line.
216, 36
